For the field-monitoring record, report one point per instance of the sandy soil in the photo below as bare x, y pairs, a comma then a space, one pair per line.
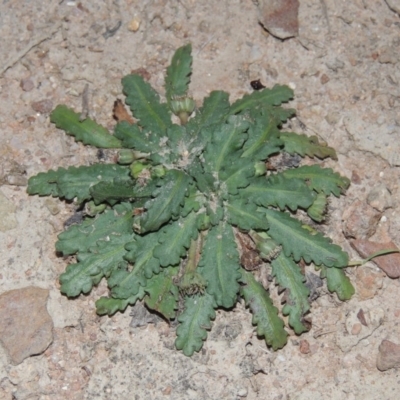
344, 66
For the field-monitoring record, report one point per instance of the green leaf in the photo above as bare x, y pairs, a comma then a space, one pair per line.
178, 73
300, 243
245, 216
109, 305
226, 139
320, 179
45, 183
278, 191
219, 265
214, 110
194, 323
145, 105
82, 237
92, 266
193, 201
266, 97
289, 277
175, 239
338, 282
317, 209
119, 189
74, 182
167, 201
236, 172
86, 131
265, 315
306, 146
163, 294
205, 182
126, 282
141, 140
263, 138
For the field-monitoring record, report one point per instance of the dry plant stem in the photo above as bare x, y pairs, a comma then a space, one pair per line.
194, 255
357, 263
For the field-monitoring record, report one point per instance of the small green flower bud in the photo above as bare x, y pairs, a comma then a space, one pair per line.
183, 107
92, 209
126, 156
136, 168
158, 171
260, 168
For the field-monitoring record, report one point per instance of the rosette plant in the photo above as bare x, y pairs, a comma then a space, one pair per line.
191, 212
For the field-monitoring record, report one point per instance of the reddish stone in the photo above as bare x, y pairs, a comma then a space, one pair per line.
388, 356
388, 263
26, 328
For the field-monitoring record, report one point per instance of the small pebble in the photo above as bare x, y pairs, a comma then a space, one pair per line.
43, 106
380, 198
304, 346
134, 25
324, 79
388, 356
26, 84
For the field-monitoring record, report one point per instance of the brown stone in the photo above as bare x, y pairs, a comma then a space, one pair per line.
280, 17
304, 346
360, 220
388, 263
42, 106
388, 356
26, 328
368, 281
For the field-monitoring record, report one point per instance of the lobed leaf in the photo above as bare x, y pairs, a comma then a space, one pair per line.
304, 145
278, 191
219, 265
215, 110
145, 105
225, 140
289, 277
167, 201
245, 216
338, 282
45, 183
178, 73
263, 138
317, 209
109, 305
92, 266
320, 179
175, 239
132, 137
82, 237
300, 243
235, 173
86, 131
194, 323
74, 182
162, 293
267, 97
126, 282
265, 315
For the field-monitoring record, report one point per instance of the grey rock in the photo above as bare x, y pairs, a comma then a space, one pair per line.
26, 328
380, 198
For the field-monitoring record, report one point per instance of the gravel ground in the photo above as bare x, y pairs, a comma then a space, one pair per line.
344, 67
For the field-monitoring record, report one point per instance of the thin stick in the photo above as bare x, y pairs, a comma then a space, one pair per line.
21, 54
